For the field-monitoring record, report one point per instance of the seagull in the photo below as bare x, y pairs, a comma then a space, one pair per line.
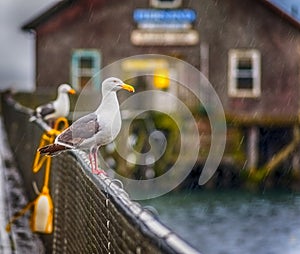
55, 109
95, 129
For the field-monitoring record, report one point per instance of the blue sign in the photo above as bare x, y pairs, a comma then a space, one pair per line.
165, 16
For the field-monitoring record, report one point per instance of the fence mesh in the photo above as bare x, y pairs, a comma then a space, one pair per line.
92, 214
86, 217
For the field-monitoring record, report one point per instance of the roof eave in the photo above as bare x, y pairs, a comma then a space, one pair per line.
282, 13
35, 22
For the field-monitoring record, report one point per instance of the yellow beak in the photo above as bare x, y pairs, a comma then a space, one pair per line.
128, 88
72, 91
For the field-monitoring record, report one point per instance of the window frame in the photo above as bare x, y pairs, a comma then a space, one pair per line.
77, 72
165, 5
234, 73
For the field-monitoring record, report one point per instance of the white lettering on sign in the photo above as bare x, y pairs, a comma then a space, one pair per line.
153, 15
165, 26
144, 38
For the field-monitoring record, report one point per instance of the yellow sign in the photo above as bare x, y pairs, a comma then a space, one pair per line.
161, 78
144, 64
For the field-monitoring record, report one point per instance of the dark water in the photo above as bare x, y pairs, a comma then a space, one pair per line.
233, 221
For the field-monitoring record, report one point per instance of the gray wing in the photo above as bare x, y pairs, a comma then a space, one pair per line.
45, 110
82, 129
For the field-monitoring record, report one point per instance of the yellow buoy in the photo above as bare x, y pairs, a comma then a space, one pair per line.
42, 216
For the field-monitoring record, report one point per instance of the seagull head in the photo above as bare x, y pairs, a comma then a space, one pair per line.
65, 88
115, 84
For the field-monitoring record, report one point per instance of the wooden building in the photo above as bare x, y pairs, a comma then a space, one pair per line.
249, 50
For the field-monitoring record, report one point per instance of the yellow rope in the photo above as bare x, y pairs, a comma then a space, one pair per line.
18, 215
47, 138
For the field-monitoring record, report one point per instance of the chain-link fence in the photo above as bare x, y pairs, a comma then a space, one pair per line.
92, 214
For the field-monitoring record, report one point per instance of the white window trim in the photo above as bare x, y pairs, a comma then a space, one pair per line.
233, 56
77, 72
165, 5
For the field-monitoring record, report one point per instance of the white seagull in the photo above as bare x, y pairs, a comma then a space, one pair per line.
55, 109
95, 129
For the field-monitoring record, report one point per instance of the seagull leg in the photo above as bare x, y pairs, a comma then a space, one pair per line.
94, 162
91, 160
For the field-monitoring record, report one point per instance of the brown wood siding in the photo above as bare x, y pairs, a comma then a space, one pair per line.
249, 24
107, 29
224, 25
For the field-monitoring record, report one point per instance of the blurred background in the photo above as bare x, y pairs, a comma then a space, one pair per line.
248, 51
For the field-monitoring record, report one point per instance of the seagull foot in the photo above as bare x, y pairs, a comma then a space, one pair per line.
99, 172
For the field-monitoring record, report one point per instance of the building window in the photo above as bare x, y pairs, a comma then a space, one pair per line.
85, 67
244, 73
165, 4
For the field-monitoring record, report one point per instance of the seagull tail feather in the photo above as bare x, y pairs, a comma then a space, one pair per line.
52, 149
33, 116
